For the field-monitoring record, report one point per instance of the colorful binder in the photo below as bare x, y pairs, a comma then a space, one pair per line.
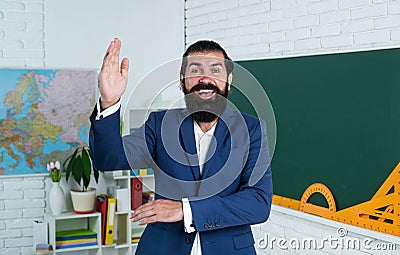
111, 206
101, 206
136, 192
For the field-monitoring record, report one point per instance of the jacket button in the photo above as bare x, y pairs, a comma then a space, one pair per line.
188, 240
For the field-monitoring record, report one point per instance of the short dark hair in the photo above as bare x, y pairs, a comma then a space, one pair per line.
206, 46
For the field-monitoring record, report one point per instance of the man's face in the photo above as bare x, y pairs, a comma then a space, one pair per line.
206, 85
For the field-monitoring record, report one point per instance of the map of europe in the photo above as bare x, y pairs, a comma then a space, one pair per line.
44, 116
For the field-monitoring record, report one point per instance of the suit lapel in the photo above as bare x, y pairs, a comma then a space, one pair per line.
188, 143
218, 145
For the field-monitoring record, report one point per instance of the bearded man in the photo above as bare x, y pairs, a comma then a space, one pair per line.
211, 163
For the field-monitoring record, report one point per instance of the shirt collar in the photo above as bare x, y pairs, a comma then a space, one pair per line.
198, 131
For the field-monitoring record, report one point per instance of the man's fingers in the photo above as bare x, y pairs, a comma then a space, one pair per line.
108, 50
114, 60
148, 220
124, 68
111, 60
142, 208
107, 56
143, 213
158, 211
117, 47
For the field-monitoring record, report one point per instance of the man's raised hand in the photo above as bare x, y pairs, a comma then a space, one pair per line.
113, 77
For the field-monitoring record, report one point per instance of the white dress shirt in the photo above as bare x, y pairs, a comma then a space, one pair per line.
203, 141
107, 112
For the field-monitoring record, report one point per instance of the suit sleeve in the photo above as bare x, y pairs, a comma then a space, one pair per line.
110, 151
251, 203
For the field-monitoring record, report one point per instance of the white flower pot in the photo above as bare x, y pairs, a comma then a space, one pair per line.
83, 201
56, 199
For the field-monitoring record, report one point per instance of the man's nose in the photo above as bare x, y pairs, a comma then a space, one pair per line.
205, 79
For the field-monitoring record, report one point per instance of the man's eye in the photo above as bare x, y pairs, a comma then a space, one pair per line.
195, 71
215, 71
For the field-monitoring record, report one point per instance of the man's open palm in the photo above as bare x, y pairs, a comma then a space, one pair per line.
113, 78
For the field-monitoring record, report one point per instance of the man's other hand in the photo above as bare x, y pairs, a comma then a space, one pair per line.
160, 210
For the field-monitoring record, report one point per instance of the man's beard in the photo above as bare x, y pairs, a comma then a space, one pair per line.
206, 110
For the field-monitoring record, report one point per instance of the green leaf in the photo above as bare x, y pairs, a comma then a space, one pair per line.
95, 171
86, 182
87, 166
66, 168
96, 174
77, 170
69, 164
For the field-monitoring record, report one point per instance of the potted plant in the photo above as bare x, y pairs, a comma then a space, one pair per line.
79, 165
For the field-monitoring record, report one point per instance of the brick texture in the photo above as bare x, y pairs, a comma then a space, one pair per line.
294, 27
22, 33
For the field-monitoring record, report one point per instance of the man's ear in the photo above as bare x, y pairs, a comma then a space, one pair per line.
182, 81
230, 77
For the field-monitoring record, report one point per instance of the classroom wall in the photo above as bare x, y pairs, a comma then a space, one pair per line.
260, 29
75, 34
251, 29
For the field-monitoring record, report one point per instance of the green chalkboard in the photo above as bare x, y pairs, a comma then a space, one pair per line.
338, 121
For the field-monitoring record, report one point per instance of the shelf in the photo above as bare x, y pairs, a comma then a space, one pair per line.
83, 248
72, 215
117, 174
124, 228
121, 246
108, 245
121, 213
143, 176
72, 221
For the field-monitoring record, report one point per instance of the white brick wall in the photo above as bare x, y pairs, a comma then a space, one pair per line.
22, 33
270, 28
275, 28
22, 199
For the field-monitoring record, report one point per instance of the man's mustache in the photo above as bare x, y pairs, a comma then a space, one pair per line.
201, 86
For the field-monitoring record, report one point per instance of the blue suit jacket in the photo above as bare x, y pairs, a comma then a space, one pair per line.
234, 191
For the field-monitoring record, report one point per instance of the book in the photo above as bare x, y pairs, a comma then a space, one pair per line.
75, 245
75, 233
83, 240
101, 206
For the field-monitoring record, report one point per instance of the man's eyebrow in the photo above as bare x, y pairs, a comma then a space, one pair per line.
194, 64
212, 65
